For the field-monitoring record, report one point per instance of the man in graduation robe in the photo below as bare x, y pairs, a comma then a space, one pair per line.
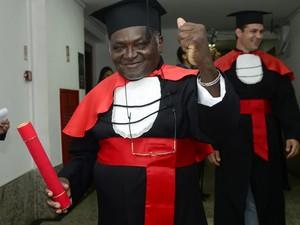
137, 133
249, 172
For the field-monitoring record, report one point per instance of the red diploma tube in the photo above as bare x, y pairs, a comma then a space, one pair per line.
43, 163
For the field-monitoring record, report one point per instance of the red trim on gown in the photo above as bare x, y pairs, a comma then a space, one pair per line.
160, 170
272, 63
257, 108
100, 98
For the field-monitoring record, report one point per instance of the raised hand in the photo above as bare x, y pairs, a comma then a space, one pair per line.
193, 39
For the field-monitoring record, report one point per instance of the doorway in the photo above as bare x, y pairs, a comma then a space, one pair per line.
88, 52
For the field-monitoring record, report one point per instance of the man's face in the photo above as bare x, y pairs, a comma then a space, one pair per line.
250, 38
134, 54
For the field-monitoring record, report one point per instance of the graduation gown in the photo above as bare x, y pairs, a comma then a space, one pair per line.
241, 166
121, 190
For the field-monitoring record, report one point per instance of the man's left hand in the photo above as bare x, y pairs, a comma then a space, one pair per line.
292, 147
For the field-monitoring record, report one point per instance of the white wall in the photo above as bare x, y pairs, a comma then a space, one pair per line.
65, 22
95, 36
46, 27
292, 55
102, 58
14, 91
170, 46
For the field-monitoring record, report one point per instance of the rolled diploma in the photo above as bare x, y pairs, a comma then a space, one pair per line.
3, 114
43, 163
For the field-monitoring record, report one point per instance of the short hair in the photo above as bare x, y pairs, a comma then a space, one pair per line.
242, 28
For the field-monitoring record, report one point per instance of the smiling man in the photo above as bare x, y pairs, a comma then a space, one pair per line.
249, 177
137, 133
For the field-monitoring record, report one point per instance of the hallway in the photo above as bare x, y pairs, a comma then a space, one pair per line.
86, 212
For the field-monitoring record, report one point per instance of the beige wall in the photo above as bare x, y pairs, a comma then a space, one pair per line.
65, 27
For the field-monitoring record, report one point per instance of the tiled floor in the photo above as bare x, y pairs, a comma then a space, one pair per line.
293, 202
86, 212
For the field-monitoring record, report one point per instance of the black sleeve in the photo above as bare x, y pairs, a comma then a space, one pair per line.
221, 120
285, 105
2, 136
79, 171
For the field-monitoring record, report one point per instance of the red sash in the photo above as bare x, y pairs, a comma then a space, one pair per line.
161, 157
257, 108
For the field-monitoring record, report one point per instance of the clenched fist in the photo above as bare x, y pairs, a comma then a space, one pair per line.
193, 39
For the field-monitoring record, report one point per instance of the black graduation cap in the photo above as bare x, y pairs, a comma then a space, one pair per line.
129, 13
248, 16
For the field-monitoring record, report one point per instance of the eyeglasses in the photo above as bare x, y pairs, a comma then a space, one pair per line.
155, 153
152, 153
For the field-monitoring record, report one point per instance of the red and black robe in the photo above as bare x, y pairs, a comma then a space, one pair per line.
253, 154
121, 189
